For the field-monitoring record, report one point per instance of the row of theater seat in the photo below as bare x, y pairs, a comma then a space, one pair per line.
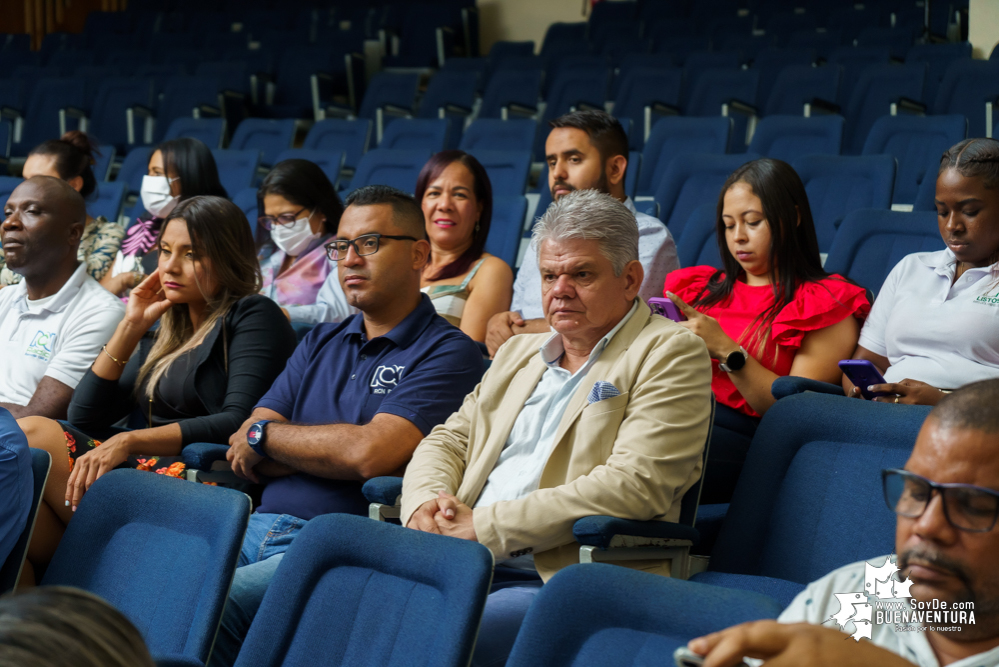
355, 591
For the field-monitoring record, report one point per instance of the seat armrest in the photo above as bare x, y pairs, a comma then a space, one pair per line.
585, 106
518, 110
453, 110
384, 490
738, 106
658, 108
789, 385
201, 455
606, 532
908, 106
821, 107
149, 121
72, 112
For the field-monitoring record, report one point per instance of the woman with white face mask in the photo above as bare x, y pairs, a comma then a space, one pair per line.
178, 169
300, 211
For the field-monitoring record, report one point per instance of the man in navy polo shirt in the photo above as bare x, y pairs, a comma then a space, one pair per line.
355, 399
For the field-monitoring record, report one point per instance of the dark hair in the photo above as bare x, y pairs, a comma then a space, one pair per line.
193, 163
483, 194
74, 156
52, 626
406, 212
794, 248
303, 183
604, 130
974, 158
973, 406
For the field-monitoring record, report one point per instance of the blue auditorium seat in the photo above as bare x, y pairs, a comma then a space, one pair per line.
701, 61
451, 95
673, 136
789, 137
698, 245
504, 49
131, 524
899, 40
247, 202
10, 569
598, 614
7, 185
573, 88
394, 91
692, 180
416, 134
331, 162
809, 499
293, 79
871, 242
727, 92
643, 87
878, 88
41, 117
134, 167
333, 134
938, 58
854, 60
965, 89
771, 62
505, 228
209, 131
493, 134
561, 33
107, 200
913, 140
334, 599
270, 137
927, 194
108, 114
103, 158
398, 169
508, 170
510, 88
837, 185
181, 96
236, 168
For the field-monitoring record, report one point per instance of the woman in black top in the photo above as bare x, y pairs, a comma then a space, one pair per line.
218, 348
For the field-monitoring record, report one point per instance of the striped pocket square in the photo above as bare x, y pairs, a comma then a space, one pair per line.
602, 390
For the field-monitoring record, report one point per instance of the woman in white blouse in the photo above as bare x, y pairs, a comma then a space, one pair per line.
935, 324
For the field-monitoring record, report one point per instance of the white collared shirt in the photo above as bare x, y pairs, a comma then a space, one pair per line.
656, 252
58, 336
518, 470
942, 334
818, 602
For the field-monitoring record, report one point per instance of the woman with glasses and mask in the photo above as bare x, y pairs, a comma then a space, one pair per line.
301, 211
218, 348
178, 170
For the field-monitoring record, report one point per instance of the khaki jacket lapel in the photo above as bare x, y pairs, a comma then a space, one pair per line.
601, 369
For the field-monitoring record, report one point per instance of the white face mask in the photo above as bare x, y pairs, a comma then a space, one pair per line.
293, 239
156, 197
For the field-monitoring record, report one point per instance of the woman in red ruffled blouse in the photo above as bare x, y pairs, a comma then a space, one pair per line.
771, 311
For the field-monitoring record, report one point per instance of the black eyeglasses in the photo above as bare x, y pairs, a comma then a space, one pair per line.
967, 507
364, 245
269, 221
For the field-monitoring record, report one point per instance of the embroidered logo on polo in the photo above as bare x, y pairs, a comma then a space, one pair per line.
988, 299
41, 346
385, 378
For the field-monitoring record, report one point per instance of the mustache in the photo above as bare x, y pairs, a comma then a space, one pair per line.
561, 183
925, 556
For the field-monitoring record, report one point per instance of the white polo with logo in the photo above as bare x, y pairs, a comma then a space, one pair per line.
58, 336
932, 331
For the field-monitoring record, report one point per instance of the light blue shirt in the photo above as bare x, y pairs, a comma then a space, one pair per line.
520, 464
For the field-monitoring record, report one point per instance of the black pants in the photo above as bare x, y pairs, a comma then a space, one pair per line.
733, 431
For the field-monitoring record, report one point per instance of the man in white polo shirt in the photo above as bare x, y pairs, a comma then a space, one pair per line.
586, 150
55, 321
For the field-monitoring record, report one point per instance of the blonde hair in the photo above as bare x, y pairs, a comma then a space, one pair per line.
220, 238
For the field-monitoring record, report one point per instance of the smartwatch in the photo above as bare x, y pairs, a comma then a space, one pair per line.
255, 437
735, 361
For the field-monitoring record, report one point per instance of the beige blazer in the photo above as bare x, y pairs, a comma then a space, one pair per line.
631, 456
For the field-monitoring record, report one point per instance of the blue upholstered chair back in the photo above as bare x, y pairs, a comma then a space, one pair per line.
675, 135
161, 550
351, 591
789, 137
692, 180
382, 166
493, 134
809, 499
601, 614
698, 246
10, 570
416, 134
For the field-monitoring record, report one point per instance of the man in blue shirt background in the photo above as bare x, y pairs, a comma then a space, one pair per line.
16, 483
355, 399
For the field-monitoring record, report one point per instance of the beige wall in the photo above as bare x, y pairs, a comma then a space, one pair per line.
983, 26
519, 20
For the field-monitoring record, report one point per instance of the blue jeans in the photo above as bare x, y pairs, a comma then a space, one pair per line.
509, 598
268, 536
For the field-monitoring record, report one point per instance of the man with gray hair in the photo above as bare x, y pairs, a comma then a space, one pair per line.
606, 416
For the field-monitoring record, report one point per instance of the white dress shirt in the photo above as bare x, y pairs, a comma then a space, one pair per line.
58, 336
932, 331
656, 252
518, 470
818, 602
330, 306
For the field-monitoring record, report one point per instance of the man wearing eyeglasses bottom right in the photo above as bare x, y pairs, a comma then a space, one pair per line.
946, 501
354, 400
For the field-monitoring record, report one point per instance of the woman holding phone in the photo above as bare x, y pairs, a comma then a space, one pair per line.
935, 324
771, 311
218, 348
